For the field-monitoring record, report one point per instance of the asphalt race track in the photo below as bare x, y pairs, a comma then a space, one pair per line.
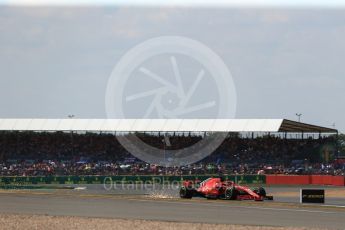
96, 202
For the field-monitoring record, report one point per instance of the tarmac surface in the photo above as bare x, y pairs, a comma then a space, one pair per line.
163, 204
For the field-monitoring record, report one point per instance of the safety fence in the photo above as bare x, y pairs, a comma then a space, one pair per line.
240, 179
305, 180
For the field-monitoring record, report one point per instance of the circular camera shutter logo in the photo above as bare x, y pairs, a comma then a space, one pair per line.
171, 77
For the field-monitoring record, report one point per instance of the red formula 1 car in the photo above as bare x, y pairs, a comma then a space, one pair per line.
217, 188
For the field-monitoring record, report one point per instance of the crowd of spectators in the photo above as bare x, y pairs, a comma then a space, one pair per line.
58, 153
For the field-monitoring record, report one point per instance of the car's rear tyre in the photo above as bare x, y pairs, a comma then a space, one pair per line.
186, 193
260, 191
231, 193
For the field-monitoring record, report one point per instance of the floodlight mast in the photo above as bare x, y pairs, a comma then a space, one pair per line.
71, 116
299, 115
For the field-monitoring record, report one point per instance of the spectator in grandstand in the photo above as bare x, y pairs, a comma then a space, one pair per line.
44, 154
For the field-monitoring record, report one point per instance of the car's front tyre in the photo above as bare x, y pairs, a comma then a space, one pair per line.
260, 191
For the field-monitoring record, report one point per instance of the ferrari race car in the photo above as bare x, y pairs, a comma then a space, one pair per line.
217, 188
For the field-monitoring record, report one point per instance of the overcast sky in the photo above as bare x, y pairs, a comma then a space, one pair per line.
56, 61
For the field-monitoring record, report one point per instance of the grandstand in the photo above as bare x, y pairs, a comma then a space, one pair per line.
31, 147
162, 125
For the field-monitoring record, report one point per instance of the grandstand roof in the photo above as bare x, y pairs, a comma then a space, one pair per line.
161, 125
